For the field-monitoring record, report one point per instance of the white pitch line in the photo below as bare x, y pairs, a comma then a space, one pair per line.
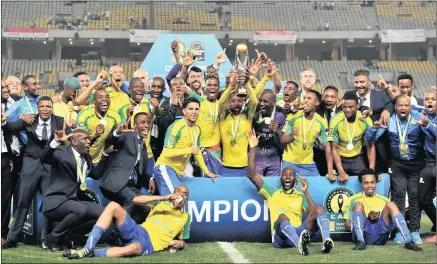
233, 253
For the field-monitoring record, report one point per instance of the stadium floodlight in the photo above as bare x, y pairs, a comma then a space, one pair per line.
91, 40
45, 42
92, 43
231, 40
71, 42
230, 44
323, 41
370, 41
138, 43
69, 39
276, 44
255, 44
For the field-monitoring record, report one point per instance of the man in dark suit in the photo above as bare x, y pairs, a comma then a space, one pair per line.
374, 104
70, 166
35, 174
327, 109
126, 173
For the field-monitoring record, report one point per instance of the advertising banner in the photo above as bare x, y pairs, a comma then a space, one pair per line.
26, 33
230, 209
402, 35
145, 36
160, 58
280, 37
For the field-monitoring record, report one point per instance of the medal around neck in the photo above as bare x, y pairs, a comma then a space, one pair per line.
350, 146
102, 121
83, 186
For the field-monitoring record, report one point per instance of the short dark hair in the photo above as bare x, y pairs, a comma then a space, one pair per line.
405, 76
367, 172
44, 98
318, 95
212, 76
190, 100
134, 79
194, 69
79, 73
350, 95
100, 89
293, 82
160, 79
26, 78
140, 114
330, 87
362, 72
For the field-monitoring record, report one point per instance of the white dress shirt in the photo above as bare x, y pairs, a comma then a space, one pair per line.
40, 127
54, 144
367, 101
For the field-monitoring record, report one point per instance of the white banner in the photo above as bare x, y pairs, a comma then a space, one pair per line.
402, 35
280, 37
145, 36
26, 33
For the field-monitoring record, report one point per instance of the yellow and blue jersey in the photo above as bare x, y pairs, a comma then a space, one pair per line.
88, 120
375, 203
338, 133
294, 151
118, 99
164, 224
178, 141
293, 204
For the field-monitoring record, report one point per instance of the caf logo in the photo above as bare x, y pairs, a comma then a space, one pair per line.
335, 200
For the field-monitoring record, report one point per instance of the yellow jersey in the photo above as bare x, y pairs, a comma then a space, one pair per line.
143, 107
118, 99
375, 203
63, 110
233, 151
209, 121
296, 152
164, 223
178, 141
291, 204
338, 132
88, 120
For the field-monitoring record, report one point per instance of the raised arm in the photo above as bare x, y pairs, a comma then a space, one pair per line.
252, 173
82, 98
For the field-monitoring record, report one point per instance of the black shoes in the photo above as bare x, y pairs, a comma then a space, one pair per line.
10, 244
53, 245
411, 246
360, 246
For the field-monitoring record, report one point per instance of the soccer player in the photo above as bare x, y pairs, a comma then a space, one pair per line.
404, 131
181, 141
427, 185
287, 205
300, 133
268, 124
234, 127
138, 104
347, 130
166, 227
370, 216
63, 107
98, 120
307, 81
289, 101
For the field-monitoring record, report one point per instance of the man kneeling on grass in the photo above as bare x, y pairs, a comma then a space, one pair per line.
286, 208
166, 221
373, 216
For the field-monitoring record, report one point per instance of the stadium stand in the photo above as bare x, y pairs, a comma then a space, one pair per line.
418, 14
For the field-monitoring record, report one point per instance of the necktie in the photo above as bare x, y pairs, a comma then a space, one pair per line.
141, 150
362, 99
5, 103
328, 115
45, 136
82, 164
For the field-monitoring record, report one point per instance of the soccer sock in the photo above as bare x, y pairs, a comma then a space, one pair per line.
400, 223
323, 223
94, 237
101, 252
290, 232
358, 225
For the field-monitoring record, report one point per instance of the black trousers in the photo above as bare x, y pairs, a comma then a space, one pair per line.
6, 194
405, 178
27, 188
320, 160
427, 192
125, 197
72, 213
353, 166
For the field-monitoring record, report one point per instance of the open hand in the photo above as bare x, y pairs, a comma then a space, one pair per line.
253, 139
221, 58
212, 176
28, 119
61, 136
423, 120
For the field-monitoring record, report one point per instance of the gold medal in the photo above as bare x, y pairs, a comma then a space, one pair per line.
350, 146
233, 142
137, 109
103, 121
267, 120
403, 147
83, 186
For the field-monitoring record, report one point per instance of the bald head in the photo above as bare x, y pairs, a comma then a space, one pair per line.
80, 141
143, 75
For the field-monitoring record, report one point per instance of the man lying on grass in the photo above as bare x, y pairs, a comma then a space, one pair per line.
374, 216
287, 205
167, 220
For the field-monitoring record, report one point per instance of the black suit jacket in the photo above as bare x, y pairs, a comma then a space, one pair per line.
322, 108
63, 183
35, 146
379, 101
122, 162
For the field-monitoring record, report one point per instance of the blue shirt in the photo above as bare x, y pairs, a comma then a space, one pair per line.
412, 139
21, 107
430, 139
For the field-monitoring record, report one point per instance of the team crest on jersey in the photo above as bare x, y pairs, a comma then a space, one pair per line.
335, 200
172, 140
329, 132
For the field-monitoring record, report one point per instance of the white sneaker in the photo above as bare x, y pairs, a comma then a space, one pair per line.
304, 240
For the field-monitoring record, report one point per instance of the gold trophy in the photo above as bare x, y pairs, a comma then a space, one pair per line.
241, 63
183, 51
